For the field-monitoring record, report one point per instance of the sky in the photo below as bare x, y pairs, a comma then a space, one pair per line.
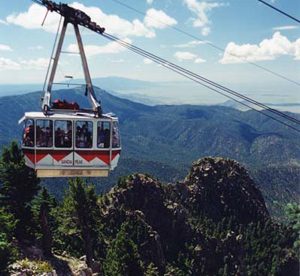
248, 32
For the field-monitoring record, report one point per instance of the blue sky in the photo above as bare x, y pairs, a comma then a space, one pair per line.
244, 28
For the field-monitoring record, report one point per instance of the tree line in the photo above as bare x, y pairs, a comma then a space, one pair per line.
29, 215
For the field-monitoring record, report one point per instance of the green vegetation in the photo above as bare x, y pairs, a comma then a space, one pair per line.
7, 251
122, 256
78, 220
213, 223
36, 267
19, 186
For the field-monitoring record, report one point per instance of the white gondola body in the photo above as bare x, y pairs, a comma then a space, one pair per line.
75, 159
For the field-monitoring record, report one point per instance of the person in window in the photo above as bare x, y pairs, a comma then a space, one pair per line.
115, 138
106, 138
48, 136
80, 137
101, 137
78, 134
38, 136
29, 136
43, 137
68, 137
59, 137
88, 137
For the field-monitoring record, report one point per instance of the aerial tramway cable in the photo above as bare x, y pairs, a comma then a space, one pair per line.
280, 11
210, 44
199, 79
85, 21
128, 45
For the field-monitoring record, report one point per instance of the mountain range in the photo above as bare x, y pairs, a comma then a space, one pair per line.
164, 140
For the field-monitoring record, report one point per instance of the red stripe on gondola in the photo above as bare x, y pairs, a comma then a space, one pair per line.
60, 154
40, 155
102, 155
30, 155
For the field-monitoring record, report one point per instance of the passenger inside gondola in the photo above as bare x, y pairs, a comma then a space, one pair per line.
84, 134
44, 133
28, 138
103, 135
59, 138
68, 136
115, 137
63, 134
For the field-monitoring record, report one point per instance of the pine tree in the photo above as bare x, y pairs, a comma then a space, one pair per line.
7, 253
43, 205
122, 257
19, 186
151, 270
79, 218
292, 211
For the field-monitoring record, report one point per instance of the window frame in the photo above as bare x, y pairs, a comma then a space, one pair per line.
110, 131
54, 130
75, 134
52, 133
34, 133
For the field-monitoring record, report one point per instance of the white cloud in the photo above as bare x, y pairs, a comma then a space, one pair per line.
297, 49
190, 44
114, 24
93, 50
8, 64
283, 28
149, 2
3, 22
31, 64
158, 19
185, 56
201, 10
35, 64
199, 60
37, 47
4, 47
118, 60
268, 49
147, 61
33, 18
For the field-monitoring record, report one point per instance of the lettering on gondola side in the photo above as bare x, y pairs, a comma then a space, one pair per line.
78, 162
66, 162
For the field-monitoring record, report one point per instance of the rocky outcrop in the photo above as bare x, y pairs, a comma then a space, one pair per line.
220, 188
215, 188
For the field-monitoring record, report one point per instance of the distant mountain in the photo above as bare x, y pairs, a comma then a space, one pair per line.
108, 83
282, 106
16, 89
161, 92
164, 140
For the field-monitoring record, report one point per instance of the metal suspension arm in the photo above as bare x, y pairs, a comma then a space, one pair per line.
90, 90
46, 100
74, 16
47, 94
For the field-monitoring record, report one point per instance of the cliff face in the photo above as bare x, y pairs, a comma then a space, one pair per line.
204, 225
221, 188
